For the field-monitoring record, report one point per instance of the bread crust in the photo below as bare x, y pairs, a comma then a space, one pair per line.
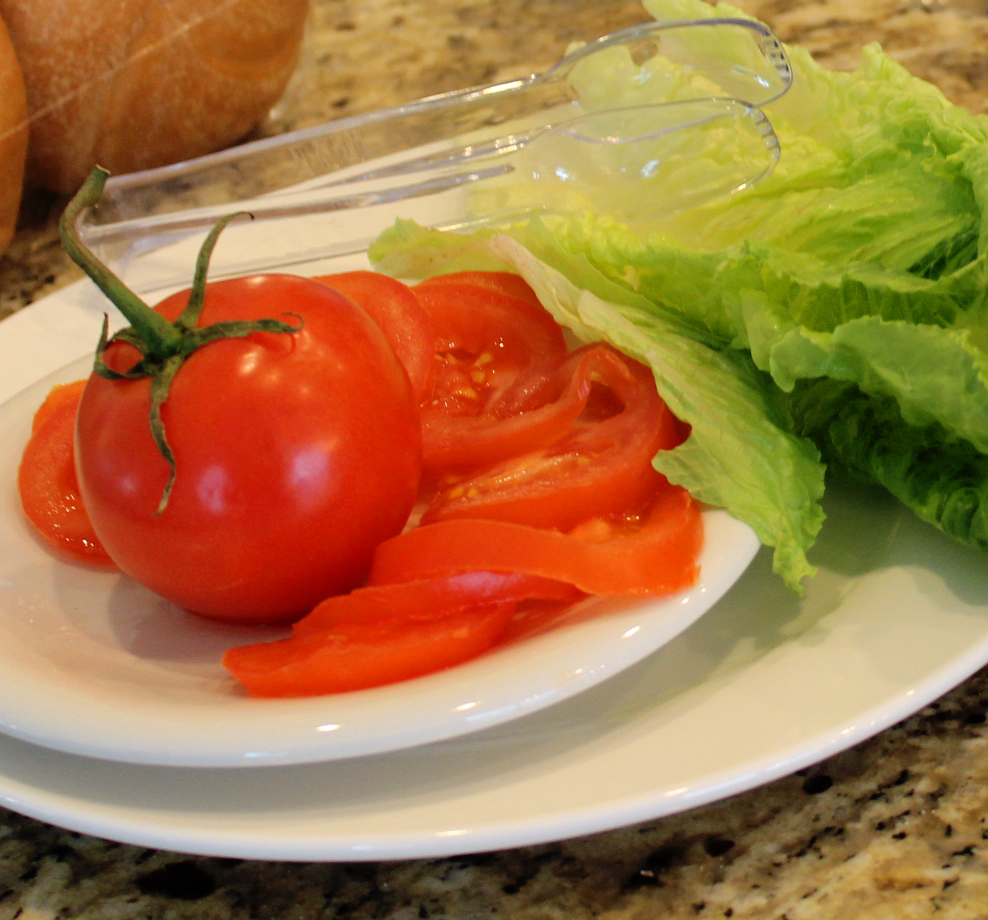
13, 137
134, 84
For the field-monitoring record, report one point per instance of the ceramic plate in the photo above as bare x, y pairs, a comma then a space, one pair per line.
760, 686
94, 664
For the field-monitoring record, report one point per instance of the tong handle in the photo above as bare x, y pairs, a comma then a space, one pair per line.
438, 144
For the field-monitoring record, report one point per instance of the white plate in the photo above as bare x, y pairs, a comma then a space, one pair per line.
762, 685
94, 664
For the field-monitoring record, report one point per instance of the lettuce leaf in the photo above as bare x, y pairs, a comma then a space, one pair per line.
944, 480
842, 302
741, 454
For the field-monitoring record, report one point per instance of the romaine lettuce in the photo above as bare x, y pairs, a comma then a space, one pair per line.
861, 263
741, 454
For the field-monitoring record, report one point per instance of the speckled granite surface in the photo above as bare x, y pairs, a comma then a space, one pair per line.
894, 829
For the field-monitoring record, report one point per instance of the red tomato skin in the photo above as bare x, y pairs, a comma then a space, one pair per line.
399, 315
358, 656
47, 482
655, 553
296, 455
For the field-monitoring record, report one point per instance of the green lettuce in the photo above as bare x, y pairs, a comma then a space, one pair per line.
742, 453
839, 307
943, 479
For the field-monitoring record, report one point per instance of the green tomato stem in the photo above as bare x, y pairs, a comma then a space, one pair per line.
189, 317
159, 338
164, 346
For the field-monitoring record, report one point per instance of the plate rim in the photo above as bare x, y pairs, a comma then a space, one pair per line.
87, 818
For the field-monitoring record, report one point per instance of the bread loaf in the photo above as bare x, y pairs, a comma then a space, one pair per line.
13, 137
134, 84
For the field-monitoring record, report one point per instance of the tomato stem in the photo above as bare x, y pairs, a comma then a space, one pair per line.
159, 337
163, 345
189, 317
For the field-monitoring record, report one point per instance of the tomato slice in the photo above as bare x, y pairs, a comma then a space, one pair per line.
654, 553
537, 410
431, 598
612, 423
485, 340
379, 635
504, 282
358, 655
47, 483
400, 316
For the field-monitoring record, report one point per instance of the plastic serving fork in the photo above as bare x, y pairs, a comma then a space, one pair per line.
549, 128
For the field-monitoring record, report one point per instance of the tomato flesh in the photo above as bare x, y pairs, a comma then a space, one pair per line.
599, 465
485, 340
47, 482
296, 454
651, 553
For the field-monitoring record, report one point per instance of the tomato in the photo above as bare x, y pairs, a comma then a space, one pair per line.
403, 320
612, 422
486, 339
651, 553
378, 635
428, 599
503, 282
47, 482
359, 655
295, 455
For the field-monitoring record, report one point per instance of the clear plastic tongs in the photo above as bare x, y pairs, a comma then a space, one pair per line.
561, 129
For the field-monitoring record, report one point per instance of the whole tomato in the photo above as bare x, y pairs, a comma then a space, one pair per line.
295, 455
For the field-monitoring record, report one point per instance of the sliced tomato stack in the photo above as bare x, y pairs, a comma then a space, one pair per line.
538, 489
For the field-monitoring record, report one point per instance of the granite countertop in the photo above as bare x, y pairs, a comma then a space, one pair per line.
896, 827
